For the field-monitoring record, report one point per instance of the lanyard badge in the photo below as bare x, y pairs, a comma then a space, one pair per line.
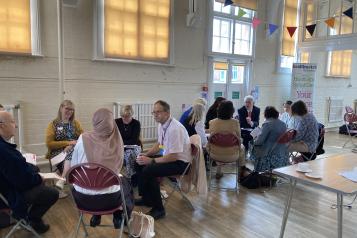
161, 150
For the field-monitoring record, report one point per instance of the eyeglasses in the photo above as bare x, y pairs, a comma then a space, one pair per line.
156, 112
69, 109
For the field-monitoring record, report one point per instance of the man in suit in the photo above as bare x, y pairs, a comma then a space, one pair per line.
20, 183
248, 119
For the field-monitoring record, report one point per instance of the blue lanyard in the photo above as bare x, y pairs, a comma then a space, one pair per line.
164, 132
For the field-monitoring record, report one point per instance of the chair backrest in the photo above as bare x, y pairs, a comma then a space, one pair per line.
350, 117
349, 109
286, 137
225, 139
92, 176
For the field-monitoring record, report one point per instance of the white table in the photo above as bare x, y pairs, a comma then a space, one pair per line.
331, 180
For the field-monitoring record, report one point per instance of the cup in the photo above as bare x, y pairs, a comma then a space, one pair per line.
303, 166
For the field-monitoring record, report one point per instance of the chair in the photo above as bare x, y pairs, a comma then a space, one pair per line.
96, 177
175, 181
22, 223
310, 156
350, 119
221, 141
349, 109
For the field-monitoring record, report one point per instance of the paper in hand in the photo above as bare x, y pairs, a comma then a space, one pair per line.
30, 158
256, 132
58, 158
49, 176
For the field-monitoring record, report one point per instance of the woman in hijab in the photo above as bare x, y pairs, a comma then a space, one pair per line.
104, 146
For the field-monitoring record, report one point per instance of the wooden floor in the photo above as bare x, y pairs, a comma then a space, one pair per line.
251, 213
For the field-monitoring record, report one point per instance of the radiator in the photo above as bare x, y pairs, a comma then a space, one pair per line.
142, 113
335, 109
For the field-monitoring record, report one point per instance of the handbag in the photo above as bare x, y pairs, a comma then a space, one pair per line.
141, 225
255, 180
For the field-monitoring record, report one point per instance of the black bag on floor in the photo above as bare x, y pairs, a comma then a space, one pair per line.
255, 180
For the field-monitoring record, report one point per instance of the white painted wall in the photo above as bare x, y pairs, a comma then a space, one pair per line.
34, 81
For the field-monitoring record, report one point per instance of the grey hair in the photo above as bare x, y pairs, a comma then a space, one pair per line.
248, 98
126, 110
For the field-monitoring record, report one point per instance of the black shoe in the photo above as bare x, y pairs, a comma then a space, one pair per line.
95, 220
117, 220
40, 227
157, 214
141, 202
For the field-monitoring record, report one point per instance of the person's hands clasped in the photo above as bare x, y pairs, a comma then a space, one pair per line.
68, 148
249, 121
143, 160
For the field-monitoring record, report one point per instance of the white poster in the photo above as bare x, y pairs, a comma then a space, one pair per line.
302, 84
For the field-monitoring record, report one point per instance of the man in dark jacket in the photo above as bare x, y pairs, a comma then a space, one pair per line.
20, 183
248, 119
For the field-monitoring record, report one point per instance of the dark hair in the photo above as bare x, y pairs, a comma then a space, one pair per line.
225, 110
1, 106
271, 112
288, 102
299, 108
165, 105
216, 103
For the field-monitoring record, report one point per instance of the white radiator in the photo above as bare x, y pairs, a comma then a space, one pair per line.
142, 113
334, 109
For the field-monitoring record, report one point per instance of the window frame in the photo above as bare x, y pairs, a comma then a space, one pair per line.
98, 38
36, 50
328, 64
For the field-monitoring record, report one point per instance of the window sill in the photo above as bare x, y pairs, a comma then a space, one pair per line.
337, 76
133, 61
13, 55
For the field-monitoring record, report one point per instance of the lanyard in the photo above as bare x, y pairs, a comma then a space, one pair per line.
164, 132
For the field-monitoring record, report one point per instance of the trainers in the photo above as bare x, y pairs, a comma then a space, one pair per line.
117, 220
157, 214
60, 184
95, 220
62, 194
40, 227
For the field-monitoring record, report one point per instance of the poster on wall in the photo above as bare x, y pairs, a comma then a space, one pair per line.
302, 83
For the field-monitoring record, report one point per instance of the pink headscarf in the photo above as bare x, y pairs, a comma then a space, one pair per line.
104, 144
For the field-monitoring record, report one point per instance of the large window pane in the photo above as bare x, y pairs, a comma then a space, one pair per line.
243, 36
222, 39
238, 74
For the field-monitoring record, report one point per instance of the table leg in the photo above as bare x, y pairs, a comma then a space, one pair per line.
339, 214
287, 206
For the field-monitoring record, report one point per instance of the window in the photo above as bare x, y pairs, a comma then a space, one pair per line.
290, 16
343, 23
310, 17
304, 57
339, 63
135, 30
230, 34
238, 74
220, 72
19, 27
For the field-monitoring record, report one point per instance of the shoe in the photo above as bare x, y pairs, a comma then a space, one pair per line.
62, 194
219, 175
60, 184
141, 202
40, 227
117, 220
157, 214
95, 220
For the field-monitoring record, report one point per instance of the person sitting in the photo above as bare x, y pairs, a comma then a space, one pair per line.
212, 111
174, 150
225, 123
20, 183
194, 123
307, 131
129, 129
104, 146
266, 153
249, 119
290, 121
61, 136
186, 113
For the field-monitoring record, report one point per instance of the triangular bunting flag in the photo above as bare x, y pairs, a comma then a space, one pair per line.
272, 28
311, 29
228, 2
291, 30
241, 13
256, 22
349, 12
330, 22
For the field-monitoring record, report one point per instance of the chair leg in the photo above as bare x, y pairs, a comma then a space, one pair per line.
78, 224
84, 227
210, 174
122, 227
13, 229
237, 175
30, 229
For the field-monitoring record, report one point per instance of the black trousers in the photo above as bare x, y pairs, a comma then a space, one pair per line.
149, 186
40, 198
246, 139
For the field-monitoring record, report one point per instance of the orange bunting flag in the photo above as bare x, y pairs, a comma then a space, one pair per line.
291, 30
330, 22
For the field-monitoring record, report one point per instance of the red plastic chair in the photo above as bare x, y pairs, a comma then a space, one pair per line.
350, 119
94, 176
223, 140
22, 223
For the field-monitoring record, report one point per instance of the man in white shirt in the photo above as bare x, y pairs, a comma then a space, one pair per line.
290, 121
174, 151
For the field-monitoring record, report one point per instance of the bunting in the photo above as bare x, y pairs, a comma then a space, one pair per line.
228, 2
330, 22
291, 30
256, 22
241, 13
349, 12
272, 28
311, 29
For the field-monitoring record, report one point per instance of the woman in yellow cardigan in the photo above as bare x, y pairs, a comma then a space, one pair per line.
61, 135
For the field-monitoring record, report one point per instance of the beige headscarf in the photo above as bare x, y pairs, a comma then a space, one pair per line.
104, 144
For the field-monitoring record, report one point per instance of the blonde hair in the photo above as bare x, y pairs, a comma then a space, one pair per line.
63, 104
126, 110
200, 101
196, 114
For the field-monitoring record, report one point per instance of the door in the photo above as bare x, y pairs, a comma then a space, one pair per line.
228, 79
